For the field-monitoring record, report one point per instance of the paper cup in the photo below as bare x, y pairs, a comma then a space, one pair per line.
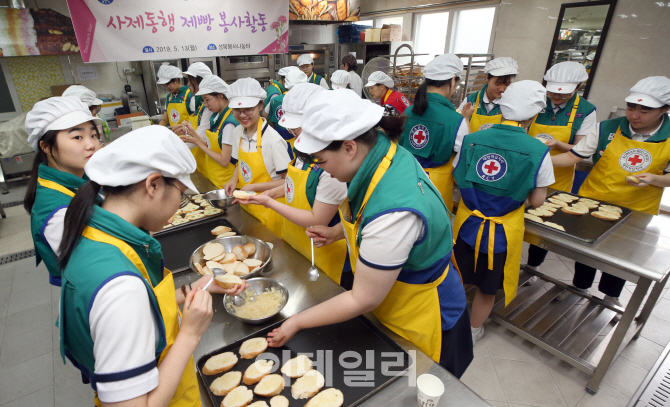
429, 390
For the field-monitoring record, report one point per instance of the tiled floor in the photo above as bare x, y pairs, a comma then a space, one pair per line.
507, 371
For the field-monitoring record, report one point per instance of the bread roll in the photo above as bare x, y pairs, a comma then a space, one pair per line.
228, 281
219, 363
308, 385
533, 218
567, 197
554, 225
633, 179
548, 208
228, 258
229, 268
270, 385
541, 212
226, 383
212, 265
610, 208
558, 202
297, 366
243, 195
241, 269
575, 210
253, 263
257, 371
239, 397
551, 204
250, 248
199, 268
606, 215
225, 234
240, 253
253, 347
260, 403
212, 250
279, 401
327, 398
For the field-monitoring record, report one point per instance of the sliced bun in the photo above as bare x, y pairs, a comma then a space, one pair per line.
226, 383
207, 272
228, 258
327, 398
229, 268
257, 371
225, 234
567, 197
575, 210
228, 281
240, 253
214, 265
243, 194
554, 225
199, 268
541, 212
253, 263
548, 208
308, 385
241, 269
212, 250
279, 401
297, 366
260, 403
253, 347
222, 362
588, 204
558, 202
588, 200
270, 385
533, 218
239, 397
633, 179
610, 208
606, 215
250, 248
552, 205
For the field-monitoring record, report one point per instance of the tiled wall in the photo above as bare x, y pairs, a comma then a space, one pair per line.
33, 77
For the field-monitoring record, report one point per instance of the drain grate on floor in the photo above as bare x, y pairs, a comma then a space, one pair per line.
655, 389
12, 257
10, 204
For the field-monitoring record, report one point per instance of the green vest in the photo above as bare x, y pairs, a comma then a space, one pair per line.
47, 203
272, 90
276, 110
312, 182
419, 195
199, 101
316, 79
430, 138
91, 266
214, 124
608, 129
562, 117
472, 98
521, 160
180, 98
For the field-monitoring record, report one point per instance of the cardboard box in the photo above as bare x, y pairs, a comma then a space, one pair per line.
391, 32
373, 34
107, 110
124, 119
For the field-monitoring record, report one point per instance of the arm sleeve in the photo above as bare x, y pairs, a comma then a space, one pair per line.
465, 100
280, 157
53, 231
456, 159
227, 136
463, 130
330, 190
204, 123
387, 240
324, 84
191, 106
236, 146
190, 103
588, 145
124, 333
588, 124
545, 175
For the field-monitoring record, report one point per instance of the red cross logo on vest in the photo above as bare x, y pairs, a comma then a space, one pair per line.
491, 167
246, 172
174, 115
635, 160
418, 136
288, 184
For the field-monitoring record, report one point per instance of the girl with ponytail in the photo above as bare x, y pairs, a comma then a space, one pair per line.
65, 136
434, 130
119, 317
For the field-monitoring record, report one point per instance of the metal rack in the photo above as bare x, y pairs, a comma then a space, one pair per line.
474, 78
409, 91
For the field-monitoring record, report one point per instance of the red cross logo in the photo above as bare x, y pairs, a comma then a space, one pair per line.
419, 137
288, 188
639, 100
490, 167
174, 116
239, 104
244, 170
635, 160
560, 88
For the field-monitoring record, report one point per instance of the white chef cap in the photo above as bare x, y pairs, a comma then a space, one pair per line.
84, 94
523, 100
212, 84
340, 79
294, 104
335, 116
294, 77
443, 67
283, 71
166, 73
502, 66
198, 69
140, 153
56, 113
380, 78
653, 92
565, 76
245, 92
305, 59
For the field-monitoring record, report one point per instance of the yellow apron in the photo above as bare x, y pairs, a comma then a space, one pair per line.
194, 119
564, 175
443, 179
198, 154
214, 171
188, 393
478, 120
607, 182
177, 112
329, 258
252, 170
410, 310
55, 186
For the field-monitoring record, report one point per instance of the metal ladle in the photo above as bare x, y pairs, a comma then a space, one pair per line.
313, 273
237, 300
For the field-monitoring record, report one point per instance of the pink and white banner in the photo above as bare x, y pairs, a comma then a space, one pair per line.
133, 30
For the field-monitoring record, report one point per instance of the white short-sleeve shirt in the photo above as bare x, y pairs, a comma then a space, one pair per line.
387, 240
487, 104
588, 123
274, 149
329, 190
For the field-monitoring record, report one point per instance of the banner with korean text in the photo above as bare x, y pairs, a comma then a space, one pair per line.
134, 30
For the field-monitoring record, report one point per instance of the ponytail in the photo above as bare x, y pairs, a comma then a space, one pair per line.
393, 126
77, 216
49, 139
421, 100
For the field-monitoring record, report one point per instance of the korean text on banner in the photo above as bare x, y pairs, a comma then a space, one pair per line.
131, 30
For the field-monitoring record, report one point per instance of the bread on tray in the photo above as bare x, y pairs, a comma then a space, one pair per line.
226, 383
279, 401
257, 371
327, 398
540, 212
575, 210
308, 385
297, 366
610, 208
253, 347
606, 215
270, 385
533, 218
554, 225
239, 397
222, 362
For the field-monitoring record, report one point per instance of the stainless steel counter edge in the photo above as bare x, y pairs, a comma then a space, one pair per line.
290, 268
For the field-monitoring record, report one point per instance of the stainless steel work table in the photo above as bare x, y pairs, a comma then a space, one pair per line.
290, 268
581, 329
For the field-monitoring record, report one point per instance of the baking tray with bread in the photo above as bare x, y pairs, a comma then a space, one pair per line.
306, 371
581, 218
197, 210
